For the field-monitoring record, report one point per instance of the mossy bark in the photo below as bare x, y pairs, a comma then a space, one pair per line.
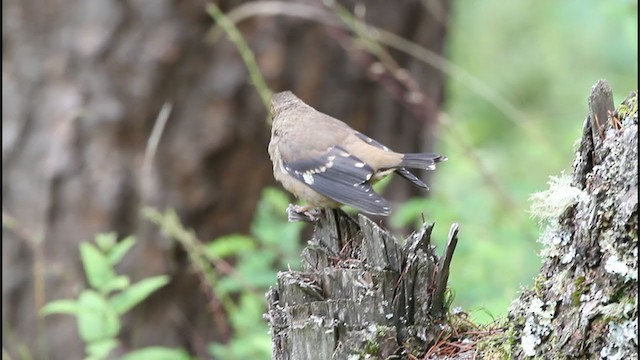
585, 302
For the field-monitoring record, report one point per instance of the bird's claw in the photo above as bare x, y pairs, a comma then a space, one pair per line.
302, 213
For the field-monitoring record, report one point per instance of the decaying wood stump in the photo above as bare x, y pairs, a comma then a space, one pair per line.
361, 293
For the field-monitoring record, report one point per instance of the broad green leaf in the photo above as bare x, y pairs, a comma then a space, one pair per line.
157, 353
70, 307
119, 250
96, 266
100, 349
97, 319
225, 246
135, 294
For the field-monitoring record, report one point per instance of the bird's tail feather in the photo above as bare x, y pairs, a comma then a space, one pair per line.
421, 160
404, 173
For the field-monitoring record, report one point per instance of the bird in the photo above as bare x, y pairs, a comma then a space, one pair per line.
326, 163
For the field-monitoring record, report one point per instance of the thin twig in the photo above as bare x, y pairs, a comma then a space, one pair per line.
154, 138
245, 52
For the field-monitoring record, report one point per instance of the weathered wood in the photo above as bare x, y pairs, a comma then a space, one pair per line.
361, 293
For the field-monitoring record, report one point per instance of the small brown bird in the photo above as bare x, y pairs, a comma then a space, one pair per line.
325, 162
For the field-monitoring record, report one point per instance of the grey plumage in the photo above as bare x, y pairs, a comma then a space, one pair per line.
326, 163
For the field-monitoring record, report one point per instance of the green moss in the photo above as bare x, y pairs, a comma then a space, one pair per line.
553, 341
371, 348
497, 347
539, 285
580, 288
628, 107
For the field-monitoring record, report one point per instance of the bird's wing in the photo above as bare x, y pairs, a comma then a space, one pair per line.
403, 172
340, 176
370, 141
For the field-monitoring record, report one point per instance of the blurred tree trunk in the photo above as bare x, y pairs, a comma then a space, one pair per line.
83, 83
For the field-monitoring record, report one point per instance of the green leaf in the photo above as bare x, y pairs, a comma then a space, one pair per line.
135, 294
253, 346
270, 225
228, 245
97, 319
105, 241
70, 307
250, 308
96, 266
117, 283
275, 197
157, 353
119, 250
100, 349
229, 285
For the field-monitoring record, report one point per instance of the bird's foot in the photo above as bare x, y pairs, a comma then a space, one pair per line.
302, 213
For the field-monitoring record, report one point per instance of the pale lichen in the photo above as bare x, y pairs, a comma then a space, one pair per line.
615, 265
548, 205
622, 341
537, 325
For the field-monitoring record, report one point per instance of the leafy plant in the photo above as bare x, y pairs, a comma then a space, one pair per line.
99, 308
237, 269
273, 246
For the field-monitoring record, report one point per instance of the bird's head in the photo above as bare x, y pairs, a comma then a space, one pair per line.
282, 101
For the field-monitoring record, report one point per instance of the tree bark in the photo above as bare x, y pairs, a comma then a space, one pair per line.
83, 83
585, 301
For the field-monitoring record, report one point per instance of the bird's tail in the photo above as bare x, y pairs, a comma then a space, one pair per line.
425, 161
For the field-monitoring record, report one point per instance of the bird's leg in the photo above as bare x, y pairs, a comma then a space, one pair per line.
302, 213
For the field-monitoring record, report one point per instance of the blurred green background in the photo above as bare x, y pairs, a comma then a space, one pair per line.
541, 57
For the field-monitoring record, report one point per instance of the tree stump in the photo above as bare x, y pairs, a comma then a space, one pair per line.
361, 293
